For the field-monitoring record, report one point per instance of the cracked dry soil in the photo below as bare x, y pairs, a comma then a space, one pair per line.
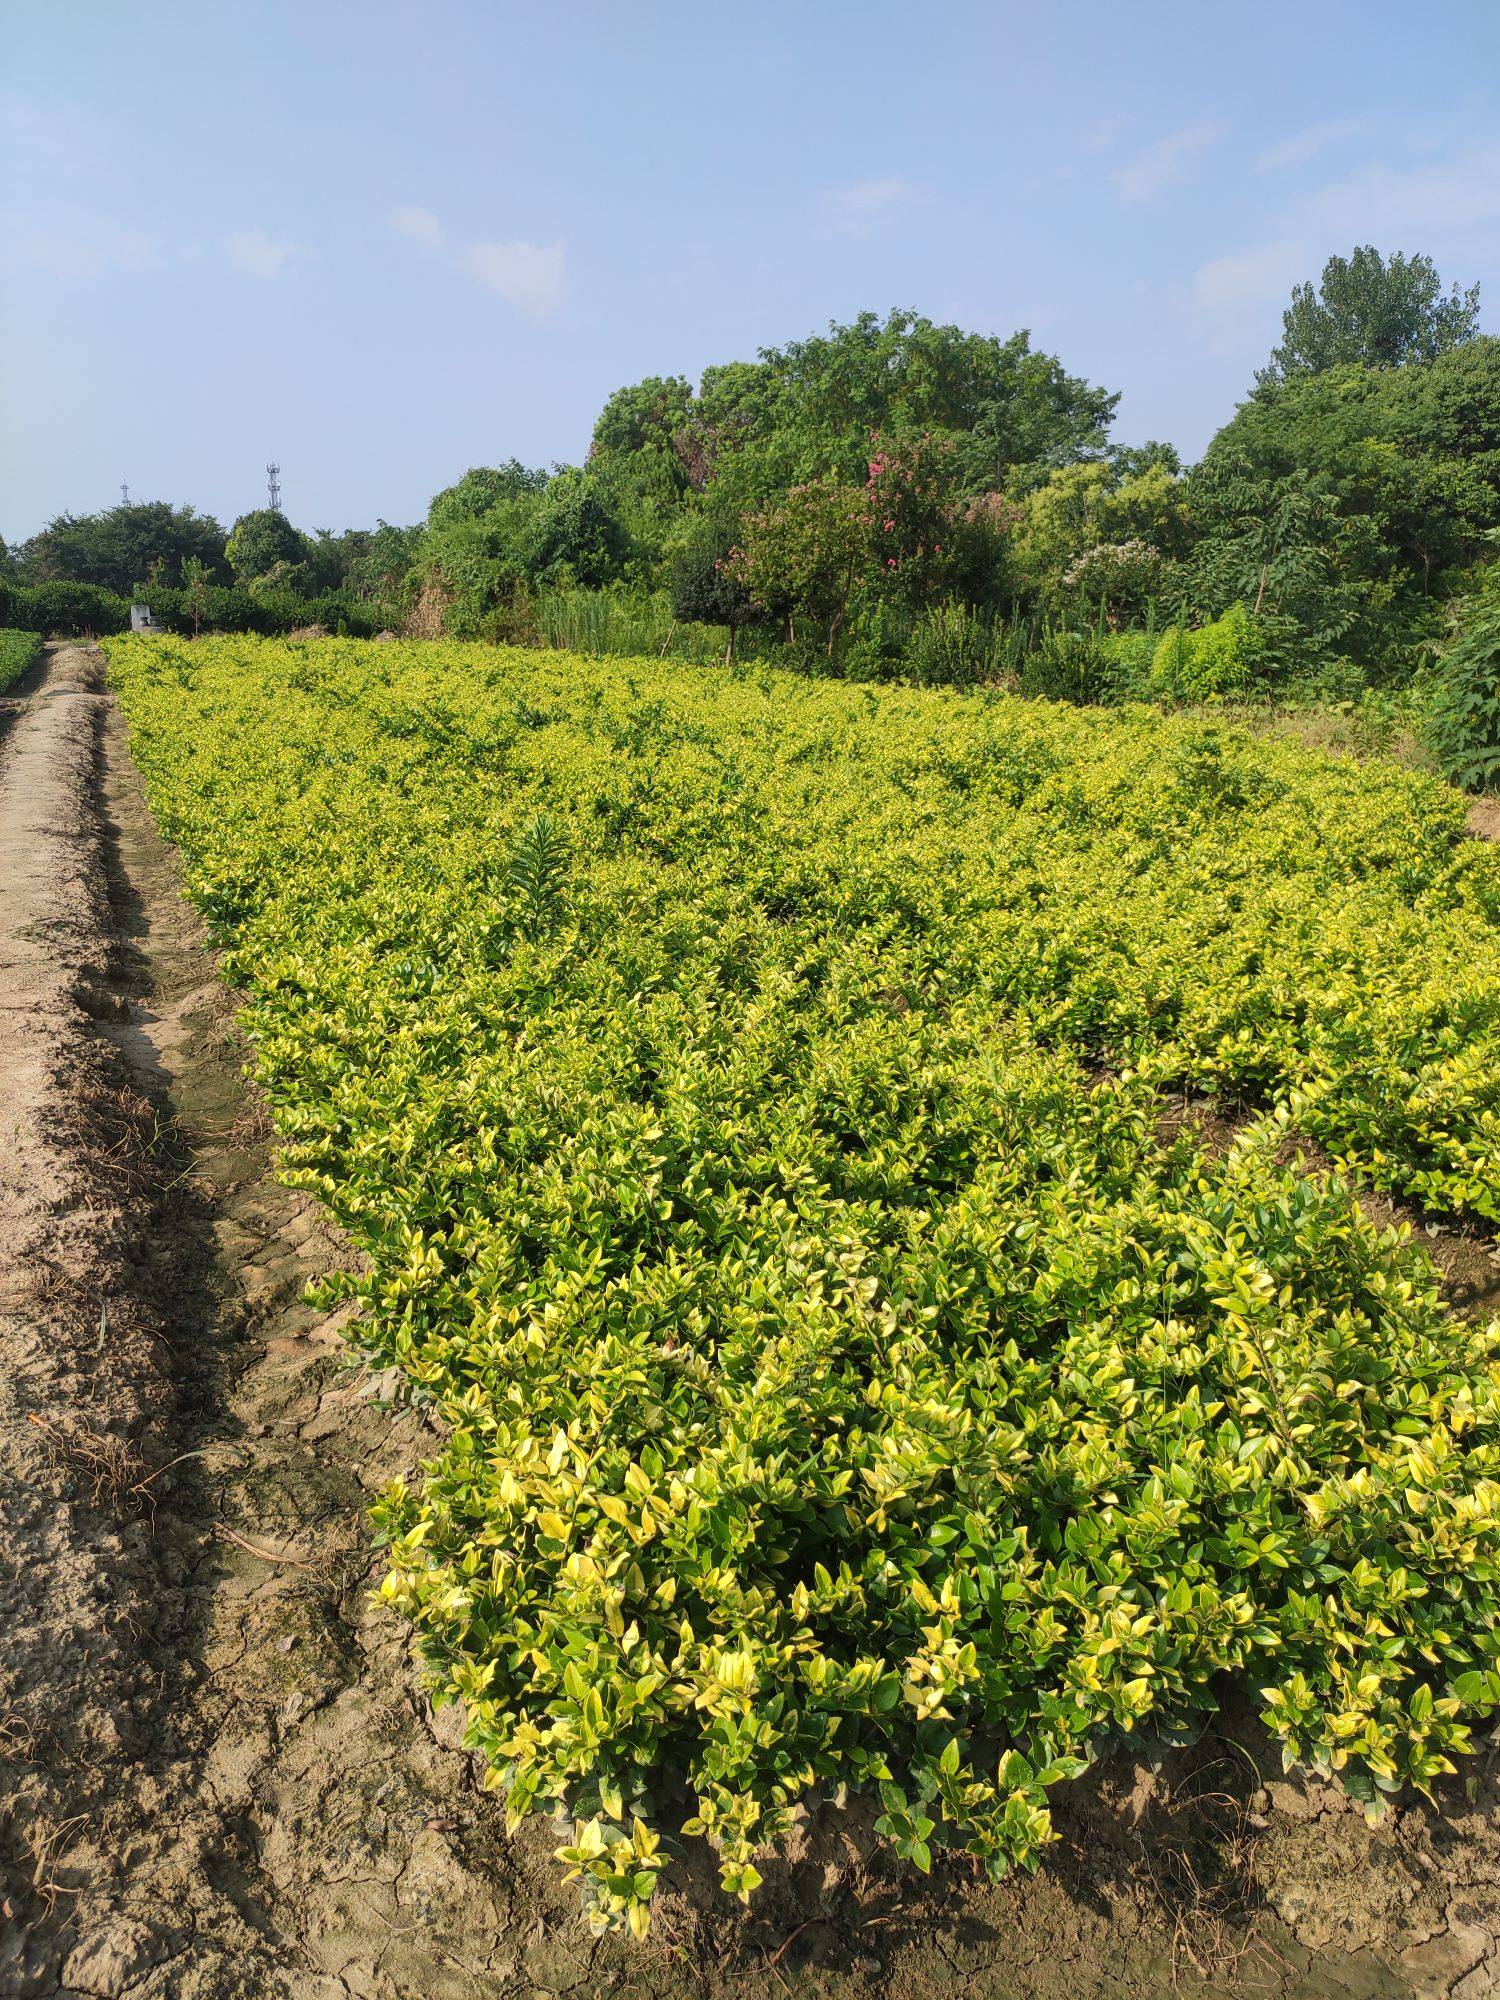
219, 1777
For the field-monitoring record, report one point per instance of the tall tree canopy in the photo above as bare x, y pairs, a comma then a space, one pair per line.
1346, 498
123, 547
482, 489
891, 484
809, 409
263, 543
1371, 309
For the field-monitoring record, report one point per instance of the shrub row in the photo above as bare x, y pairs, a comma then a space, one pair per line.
73, 610
229, 610
78, 609
17, 651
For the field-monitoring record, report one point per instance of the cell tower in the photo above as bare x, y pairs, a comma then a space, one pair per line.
124, 494
273, 485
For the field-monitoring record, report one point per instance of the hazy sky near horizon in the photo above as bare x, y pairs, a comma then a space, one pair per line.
383, 242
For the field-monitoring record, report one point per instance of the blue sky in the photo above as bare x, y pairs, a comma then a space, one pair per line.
383, 242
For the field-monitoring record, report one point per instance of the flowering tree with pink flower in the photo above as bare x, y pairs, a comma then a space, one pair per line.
806, 555
930, 542
910, 484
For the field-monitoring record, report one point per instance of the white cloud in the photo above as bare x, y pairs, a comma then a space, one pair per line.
45, 144
1162, 163
857, 209
76, 243
261, 255
1307, 145
1248, 276
1447, 207
531, 276
419, 226
1439, 196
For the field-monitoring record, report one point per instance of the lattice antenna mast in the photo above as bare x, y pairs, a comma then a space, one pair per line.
273, 485
124, 494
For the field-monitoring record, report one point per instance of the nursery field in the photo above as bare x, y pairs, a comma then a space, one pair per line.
867, 1180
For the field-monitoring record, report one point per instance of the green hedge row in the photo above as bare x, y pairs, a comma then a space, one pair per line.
17, 651
72, 609
78, 610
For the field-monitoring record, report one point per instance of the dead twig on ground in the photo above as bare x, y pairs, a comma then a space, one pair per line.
47, 1844
265, 1555
771, 1967
115, 1469
112, 1468
774, 1958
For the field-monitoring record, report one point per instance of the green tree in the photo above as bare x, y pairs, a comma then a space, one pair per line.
806, 554
758, 428
642, 440
647, 458
378, 559
263, 545
473, 555
1131, 460
482, 490
815, 405
1374, 310
1464, 724
645, 416
905, 373
1081, 511
703, 589
929, 543
1362, 494
576, 535
1280, 546
119, 548
195, 592
503, 529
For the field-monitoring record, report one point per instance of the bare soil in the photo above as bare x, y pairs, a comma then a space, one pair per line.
219, 1776
1465, 1256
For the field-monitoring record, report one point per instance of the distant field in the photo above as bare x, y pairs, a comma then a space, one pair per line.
761, 1101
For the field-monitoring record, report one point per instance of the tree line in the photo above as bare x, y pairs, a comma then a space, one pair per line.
895, 497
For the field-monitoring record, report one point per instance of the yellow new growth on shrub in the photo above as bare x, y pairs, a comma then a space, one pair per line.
750, 1095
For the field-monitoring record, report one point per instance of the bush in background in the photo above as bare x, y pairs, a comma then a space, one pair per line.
1220, 658
952, 645
73, 610
17, 651
217, 608
1129, 657
1463, 728
81, 610
1067, 666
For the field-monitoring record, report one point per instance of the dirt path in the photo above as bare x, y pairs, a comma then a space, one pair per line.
218, 1776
